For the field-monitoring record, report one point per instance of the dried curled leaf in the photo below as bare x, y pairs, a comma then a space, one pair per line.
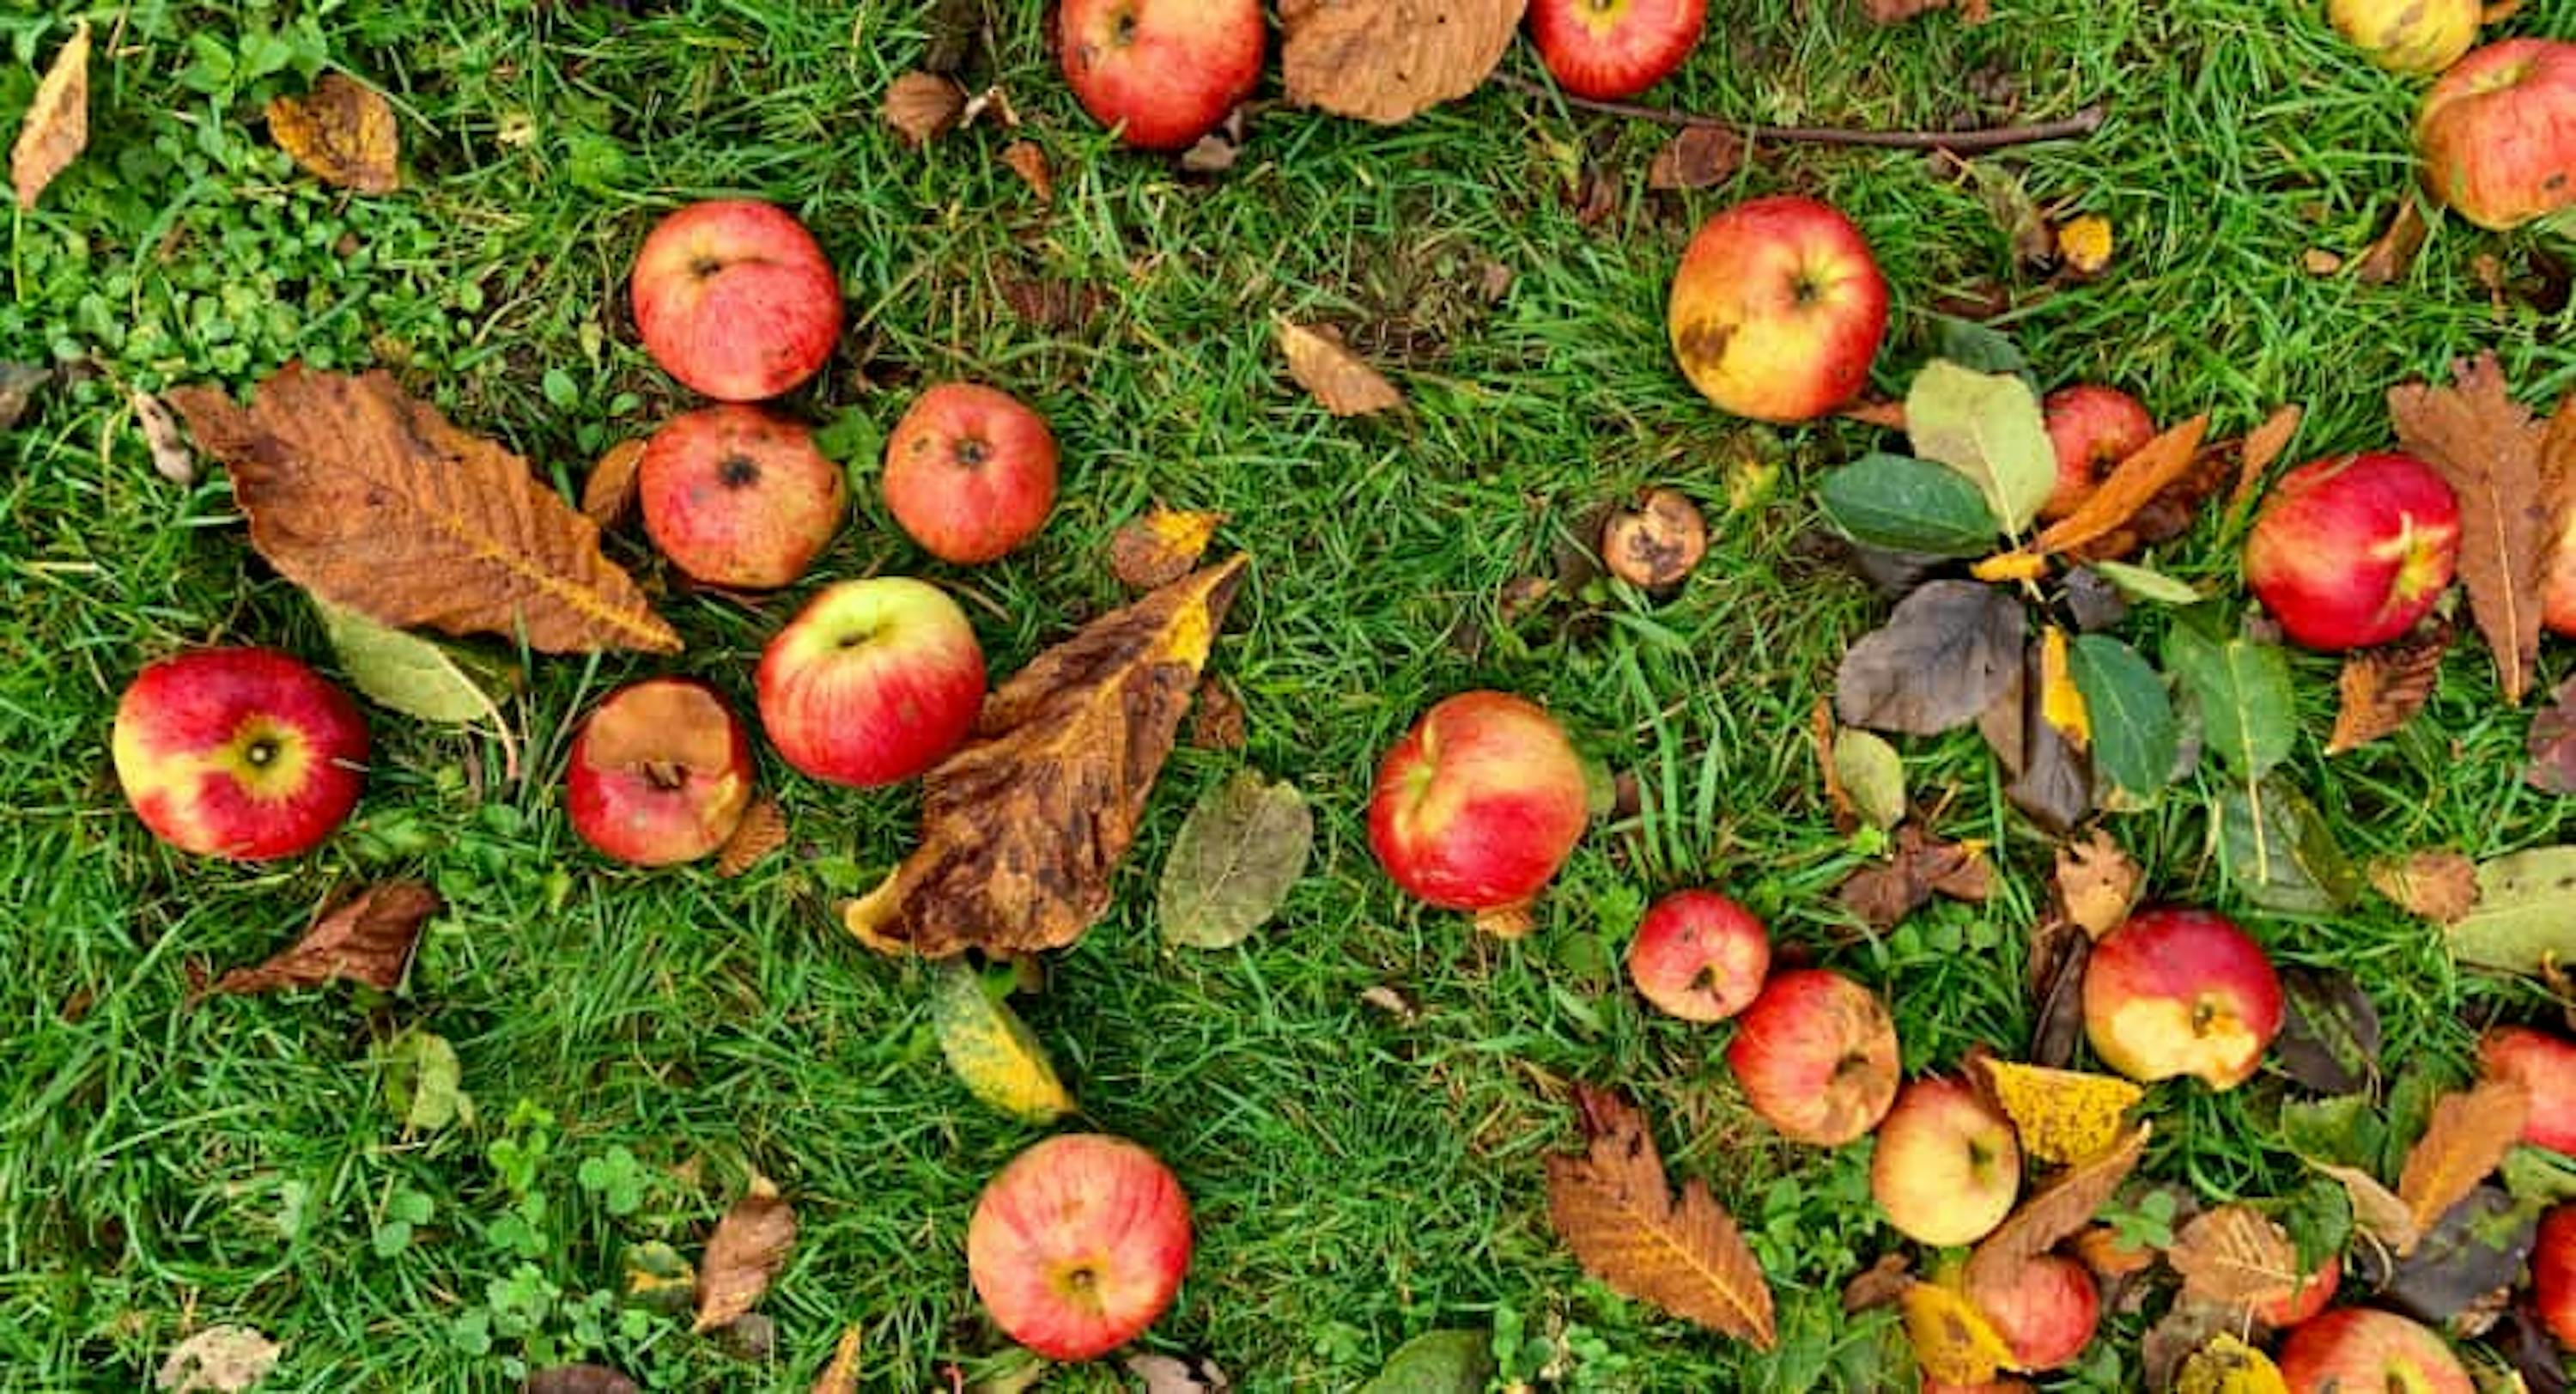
1339, 380
2057, 1210
2236, 1255
2491, 451
372, 500
1696, 158
2389, 258
2376, 1210
220, 1360
1923, 866
1391, 60
763, 830
2098, 883
2131, 486
2261, 449
924, 106
2468, 1137
1021, 830
171, 457
1614, 1208
1953, 1341
2383, 688
2440, 886
1161, 547
1028, 160
56, 127
2062, 1116
367, 938
610, 489
749, 1247
342, 132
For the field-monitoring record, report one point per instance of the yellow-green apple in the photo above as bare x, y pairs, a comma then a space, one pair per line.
243, 753
661, 773
2498, 133
2181, 992
1608, 49
2408, 36
2356, 1349
2553, 1274
1947, 1166
873, 682
2352, 551
1699, 956
1816, 1054
1079, 1244
1778, 309
1479, 804
2093, 428
2309, 1298
735, 299
970, 473
2044, 1309
2546, 1065
738, 496
1162, 72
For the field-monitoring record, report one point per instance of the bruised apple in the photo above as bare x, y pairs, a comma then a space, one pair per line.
737, 496
2408, 36
1947, 1165
970, 473
1479, 804
1609, 49
1816, 1054
2092, 429
242, 753
2553, 1274
2352, 551
2359, 1350
1079, 1245
660, 774
1699, 956
735, 299
2498, 133
1778, 309
1162, 72
2546, 1065
2181, 992
2045, 1310
872, 683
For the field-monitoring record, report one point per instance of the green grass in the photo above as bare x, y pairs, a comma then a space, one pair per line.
1358, 1179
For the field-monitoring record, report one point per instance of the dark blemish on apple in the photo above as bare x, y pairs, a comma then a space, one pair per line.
738, 472
1704, 342
973, 451
703, 267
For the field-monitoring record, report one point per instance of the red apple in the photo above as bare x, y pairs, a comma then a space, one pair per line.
239, 753
1609, 49
2094, 429
1947, 1166
1479, 804
2546, 1065
737, 496
970, 473
2181, 992
2498, 133
1079, 1245
1162, 72
1778, 309
2553, 1274
736, 299
2358, 1350
872, 683
2045, 1310
2314, 1292
1699, 956
661, 773
2352, 551
1816, 1054
2558, 585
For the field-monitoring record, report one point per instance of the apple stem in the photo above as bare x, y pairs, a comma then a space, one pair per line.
2082, 123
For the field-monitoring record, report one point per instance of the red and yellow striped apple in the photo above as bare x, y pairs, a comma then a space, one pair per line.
738, 496
2045, 1310
1479, 804
2352, 551
970, 473
873, 682
2498, 133
242, 753
1816, 1055
2546, 1065
1609, 49
661, 773
735, 299
2181, 993
1699, 956
2354, 1349
1778, 309
1947, 1166
1079, 1245
1162, 72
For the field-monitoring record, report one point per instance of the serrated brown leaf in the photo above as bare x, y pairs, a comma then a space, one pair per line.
2388, 258
2130, 486
610, 488
342, 132
56, 127
1022, 830
763, 830
367, 938
1697, 157
1029, 162
372, 500
922, 107
1391, 60
1882, 894
842, 1375
2489, 449
2470, 1134
1613, 1206
1338, 379
1161, 547
2383, 688
2236, 1255
749, 1247
2059, 1209
2261, 449
2097, 882
2376, 1210
2439, 886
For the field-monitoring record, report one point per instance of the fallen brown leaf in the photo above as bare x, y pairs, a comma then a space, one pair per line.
56, 127
1697, 157
842, 1375
2470, 1133
2129, 487
1885, 415
1391, 60
1339, 379
922, 107
1161, 547
2440, 886
171, 457
609, 490
749, 1247
1030, 163
2057, 1210
342, 132
763, 830
1216, 716
2109, 1256
2383, 688
1022, 830
2097, 882
1882, 894
2262, 448
2387, 259
1882, 1284
372, 500
2489, 449
1613, 1206
2551, 743
367, 938
2236, 1255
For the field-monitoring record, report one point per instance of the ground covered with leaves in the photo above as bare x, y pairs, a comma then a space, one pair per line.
517, 1156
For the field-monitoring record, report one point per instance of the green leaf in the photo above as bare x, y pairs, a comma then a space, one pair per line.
1900, 504
2135, 736
2243, 689
2526, 913
422, 1081
1239, 853
1437, 1362
1872, 775
404, 672
2277, 849
1988, 427
2144, 584
1981, 347
2343, 1130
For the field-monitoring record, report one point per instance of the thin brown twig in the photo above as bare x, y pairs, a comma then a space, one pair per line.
2082, 123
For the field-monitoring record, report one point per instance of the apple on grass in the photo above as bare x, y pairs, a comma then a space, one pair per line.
1079, 1245
2352, 551
738, 496
1610, 49
661, 773
2092, 429
2181, 992
2553, 1274
970, 473
873, 682
735, 299
1778, 309
1816, 1054
242, 753
2353, 1350
1162, 72
1699, 956
1479, 804
2045, 1310
2408, 36
2498, 133
1947, 1167
2546, 1065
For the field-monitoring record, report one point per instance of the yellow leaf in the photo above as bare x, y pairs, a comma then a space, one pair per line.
842, 1375
342, 132
2063, 1116
2005, 567
1953, 1341
2229, 1366
56, 128
2085, 244
992, 1051
1339, 379
2061, 702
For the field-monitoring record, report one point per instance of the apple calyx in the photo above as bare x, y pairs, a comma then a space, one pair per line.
738, 472
267, 757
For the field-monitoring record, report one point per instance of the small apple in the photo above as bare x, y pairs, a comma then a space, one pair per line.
1947, 1166
2352, 551
737, 496
970, 473
2314, 1292
1699, 956
2553, 1274
2408, 36
2546, 1065
2181, 992
1816, 1054
873, 682
2093, 429
2045, 1310
735, 299
240, 753
2498, 133
2356, 1349
1162, 72
1778, 309
1609, 49
1079, 1245
1479, 804
661, 773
